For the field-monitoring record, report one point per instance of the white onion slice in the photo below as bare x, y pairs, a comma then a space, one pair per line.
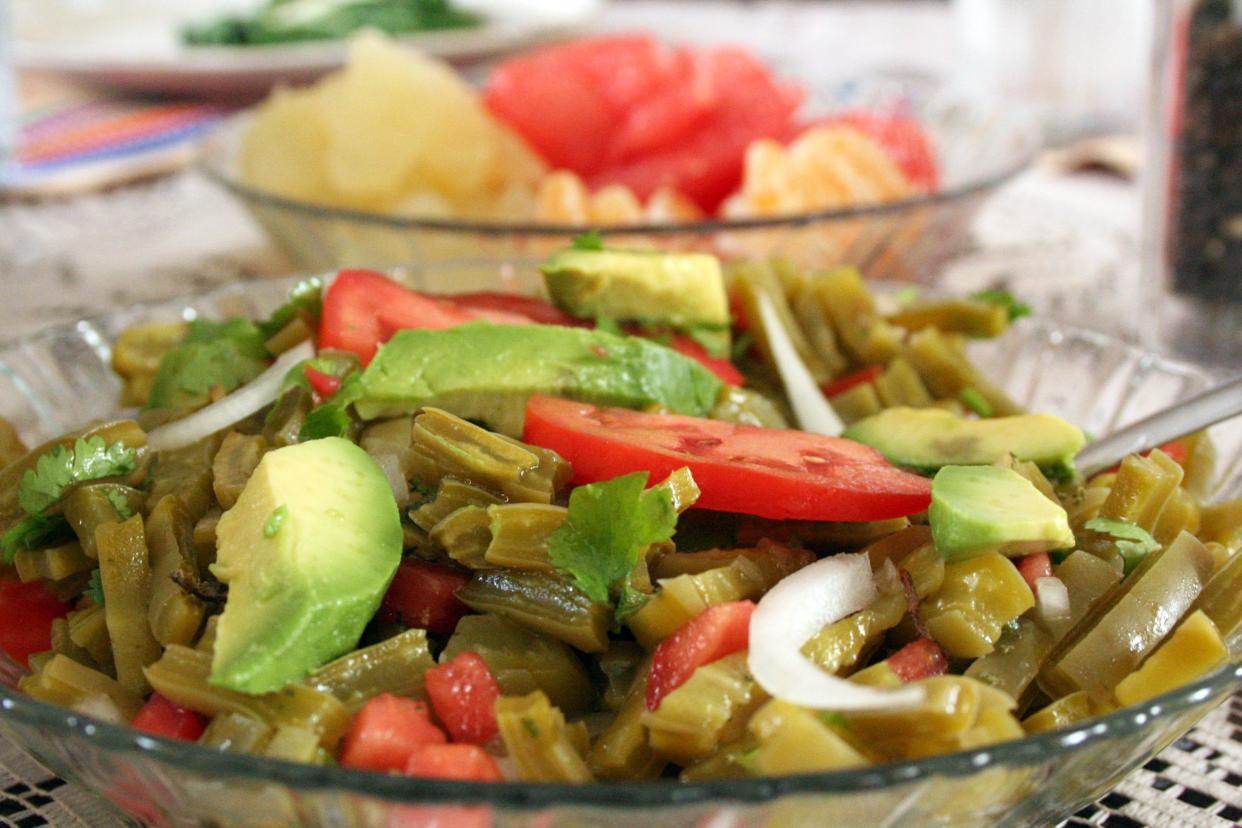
236, 406
809, 405
793, 611
391, 466
1052, 599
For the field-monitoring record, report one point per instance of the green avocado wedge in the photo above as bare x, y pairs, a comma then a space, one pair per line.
980, 509
485, 372
307, 553
925, 439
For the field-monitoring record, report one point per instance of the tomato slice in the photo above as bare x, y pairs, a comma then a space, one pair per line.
725, 370
160, 717
1034, 567
463, 693
424, 595
710, 636
513, 306
845, 383
26, 615
362, 309
772, 473
386, 732
919, 659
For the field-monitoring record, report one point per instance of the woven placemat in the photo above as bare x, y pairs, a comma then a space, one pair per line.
1194, 783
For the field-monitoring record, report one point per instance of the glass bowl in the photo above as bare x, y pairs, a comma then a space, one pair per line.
978, 148
59, 378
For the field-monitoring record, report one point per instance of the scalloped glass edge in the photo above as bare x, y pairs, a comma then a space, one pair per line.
258, 297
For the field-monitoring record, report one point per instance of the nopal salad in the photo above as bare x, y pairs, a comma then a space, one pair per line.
486, 536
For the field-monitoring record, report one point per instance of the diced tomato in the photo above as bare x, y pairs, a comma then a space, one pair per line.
919, 659
26, 615
515, 306
767, 472
1177, 450
710, 636
160, 717
842, 384
424, 595
903, 139
386, 732
1034, 567
722, 368
324, 385
463, 693
469, 763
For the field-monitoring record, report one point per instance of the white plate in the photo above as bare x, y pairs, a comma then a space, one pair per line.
137, 43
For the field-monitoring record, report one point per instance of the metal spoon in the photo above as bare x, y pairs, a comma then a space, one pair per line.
1199, 412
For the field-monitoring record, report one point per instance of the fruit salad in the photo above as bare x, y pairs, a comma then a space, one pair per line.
603, 131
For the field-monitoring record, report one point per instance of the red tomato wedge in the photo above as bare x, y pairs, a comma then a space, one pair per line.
919, 659
26, 615
725, 370
424, 595
710, 636
845, 383
1034, 567
160, 717
386, 732
903, 139
362, 309
513, 306
463, 693
465, 762
767, 472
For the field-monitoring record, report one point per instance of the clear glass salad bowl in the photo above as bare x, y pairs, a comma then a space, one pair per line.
60, 378
978, 148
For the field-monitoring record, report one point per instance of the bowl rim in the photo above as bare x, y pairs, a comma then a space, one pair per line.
56, 721
53, 720
213, 161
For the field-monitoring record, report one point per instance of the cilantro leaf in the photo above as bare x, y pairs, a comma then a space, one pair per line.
94, 588
608, 525
590, 240
331, 419
1133, 542
972, 399
34, 532
60, 468
119, 502
225, 354
306, 297
1005, 299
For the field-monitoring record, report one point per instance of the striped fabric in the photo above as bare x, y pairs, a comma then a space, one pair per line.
81, 142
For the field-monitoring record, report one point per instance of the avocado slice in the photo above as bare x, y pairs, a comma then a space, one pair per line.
486, 372
980, 509
675, 289
924, 439
307, 553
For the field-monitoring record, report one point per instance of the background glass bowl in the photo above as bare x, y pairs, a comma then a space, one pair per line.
978, 148
59, 378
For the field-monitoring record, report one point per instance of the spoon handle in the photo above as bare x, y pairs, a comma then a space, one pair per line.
1199, 412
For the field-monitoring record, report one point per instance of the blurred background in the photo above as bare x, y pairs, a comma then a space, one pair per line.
107, 105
